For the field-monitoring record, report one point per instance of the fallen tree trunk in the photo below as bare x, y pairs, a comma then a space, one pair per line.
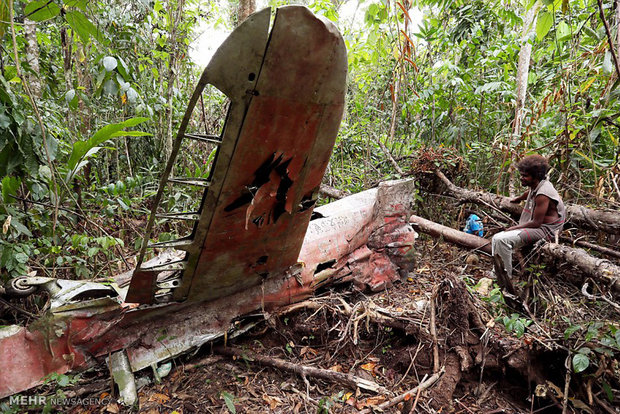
582, 217
599, 269
450, 235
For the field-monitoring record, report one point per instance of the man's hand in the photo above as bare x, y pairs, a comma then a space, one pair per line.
516, 200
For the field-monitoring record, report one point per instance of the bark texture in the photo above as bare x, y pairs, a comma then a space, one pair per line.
607, 221
246, 7
599, 269
32, 57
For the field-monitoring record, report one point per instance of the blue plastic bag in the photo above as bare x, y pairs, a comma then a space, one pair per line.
473, 225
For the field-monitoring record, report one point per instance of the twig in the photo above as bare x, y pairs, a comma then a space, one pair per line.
567, 364
611, 43
413, 358
604, 405
421, 387
592, 246
433, 330
304, 371
415, 403
17, 308
390, 158
584, 291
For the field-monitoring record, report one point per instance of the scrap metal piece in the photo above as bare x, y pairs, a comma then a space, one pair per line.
142, 287
123, 378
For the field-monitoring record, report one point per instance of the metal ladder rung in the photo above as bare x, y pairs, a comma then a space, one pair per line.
179, 216
184, 244
200, 182
177, 265
213, 139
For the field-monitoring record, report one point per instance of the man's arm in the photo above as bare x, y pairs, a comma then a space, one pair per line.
521, 197
540, 211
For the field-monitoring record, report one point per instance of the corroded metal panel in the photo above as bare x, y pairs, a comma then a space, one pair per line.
263, 208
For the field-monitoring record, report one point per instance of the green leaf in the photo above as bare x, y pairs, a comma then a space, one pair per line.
110, 87
63, 380
83, 27
10, 185
229, 399
109, 63
543, 24
571, 330
608, 392
21, 229
580, 362
41, 10
80, 4
81, 148
562, 32
608, 67
21, 258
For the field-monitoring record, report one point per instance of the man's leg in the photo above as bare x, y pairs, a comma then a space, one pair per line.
502, 246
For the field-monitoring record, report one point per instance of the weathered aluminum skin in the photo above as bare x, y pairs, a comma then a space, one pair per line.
365, 237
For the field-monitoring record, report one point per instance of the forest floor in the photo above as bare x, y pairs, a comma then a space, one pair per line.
491, 357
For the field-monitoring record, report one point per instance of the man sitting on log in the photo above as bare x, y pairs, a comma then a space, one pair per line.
542, 217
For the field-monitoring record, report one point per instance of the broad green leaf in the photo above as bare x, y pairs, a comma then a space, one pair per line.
80, 4
543, 24
581, 362
132, 95
81, 148
83, 27
41, 10
10, 185
131, 134
123, 69
110, 87
109, 63
571, 330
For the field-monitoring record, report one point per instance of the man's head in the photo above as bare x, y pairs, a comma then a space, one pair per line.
534, 166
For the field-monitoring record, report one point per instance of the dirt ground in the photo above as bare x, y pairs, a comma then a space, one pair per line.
444, 317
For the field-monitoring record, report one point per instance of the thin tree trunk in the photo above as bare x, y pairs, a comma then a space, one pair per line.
523, 70
529, 27
246, 7
175, 14
32, 57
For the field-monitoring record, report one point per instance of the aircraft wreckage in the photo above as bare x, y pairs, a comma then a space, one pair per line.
257, 241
